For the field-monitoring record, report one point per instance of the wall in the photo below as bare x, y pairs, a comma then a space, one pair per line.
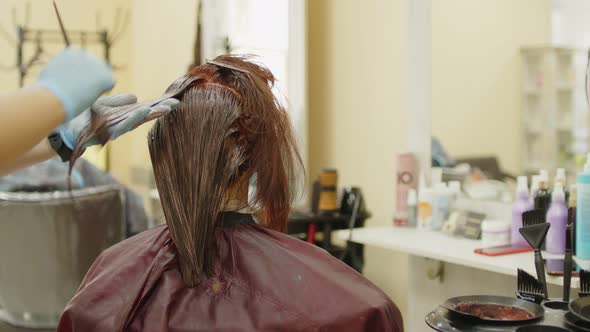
158, 57
357, 100
476, 73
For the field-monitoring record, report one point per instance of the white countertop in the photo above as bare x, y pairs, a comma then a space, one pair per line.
442, 247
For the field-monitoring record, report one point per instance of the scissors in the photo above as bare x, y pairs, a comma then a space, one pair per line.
61, 25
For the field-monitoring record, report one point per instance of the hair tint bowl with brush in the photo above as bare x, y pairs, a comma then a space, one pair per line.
583, 213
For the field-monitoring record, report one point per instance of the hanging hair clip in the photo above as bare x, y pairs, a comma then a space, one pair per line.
223, 65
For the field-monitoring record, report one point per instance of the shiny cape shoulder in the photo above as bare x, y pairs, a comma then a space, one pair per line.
263, 281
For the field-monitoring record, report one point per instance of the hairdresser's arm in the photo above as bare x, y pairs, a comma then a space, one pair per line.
67, 85
70, 131
40, 152
26, 118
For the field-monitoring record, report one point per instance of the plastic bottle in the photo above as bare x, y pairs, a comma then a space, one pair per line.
425, 208
412, 207
557, 217
543, 195
534, 188
407, 168
583, 212
521, 204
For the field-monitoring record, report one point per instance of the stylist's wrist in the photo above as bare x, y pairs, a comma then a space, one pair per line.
77, 79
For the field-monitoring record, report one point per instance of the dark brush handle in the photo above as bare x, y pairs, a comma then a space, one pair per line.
541, 272
567, 275
567, 264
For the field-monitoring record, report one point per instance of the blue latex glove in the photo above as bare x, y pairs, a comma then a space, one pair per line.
70, 131
77, 78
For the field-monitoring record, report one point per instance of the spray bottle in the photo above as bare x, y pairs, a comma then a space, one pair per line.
521, 204
583, 212
557, 218
534, 188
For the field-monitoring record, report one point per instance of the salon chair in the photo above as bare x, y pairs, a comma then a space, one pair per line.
48, 241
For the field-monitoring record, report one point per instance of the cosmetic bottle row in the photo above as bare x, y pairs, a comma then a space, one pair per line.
560, 205
436, 202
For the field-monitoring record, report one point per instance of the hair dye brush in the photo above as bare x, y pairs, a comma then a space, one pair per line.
534, 231
584, 283
567, 263
529, 288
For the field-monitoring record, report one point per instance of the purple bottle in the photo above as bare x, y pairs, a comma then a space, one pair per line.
557, 217
521, 204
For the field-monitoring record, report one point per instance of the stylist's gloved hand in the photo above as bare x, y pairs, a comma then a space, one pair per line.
77, 78
70, 131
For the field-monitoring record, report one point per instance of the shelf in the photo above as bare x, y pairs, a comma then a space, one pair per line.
439, 246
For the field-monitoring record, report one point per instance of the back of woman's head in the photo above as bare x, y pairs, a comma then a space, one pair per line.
228, 127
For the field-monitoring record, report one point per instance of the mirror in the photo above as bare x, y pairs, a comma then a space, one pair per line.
508, 89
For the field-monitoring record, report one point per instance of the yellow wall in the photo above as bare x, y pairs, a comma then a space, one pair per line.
476, 86
162, 44
357, 100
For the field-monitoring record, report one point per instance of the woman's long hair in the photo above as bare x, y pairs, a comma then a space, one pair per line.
228, 127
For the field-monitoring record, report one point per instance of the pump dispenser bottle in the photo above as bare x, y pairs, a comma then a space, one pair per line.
543, 195
583, 212
557, 218
521, 204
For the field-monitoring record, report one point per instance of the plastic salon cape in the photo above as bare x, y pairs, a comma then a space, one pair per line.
263, 281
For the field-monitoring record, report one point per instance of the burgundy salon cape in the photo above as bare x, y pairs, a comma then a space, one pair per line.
263, 281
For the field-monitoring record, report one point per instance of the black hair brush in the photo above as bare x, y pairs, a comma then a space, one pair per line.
529, 288
567, 263
534, 231
584, 283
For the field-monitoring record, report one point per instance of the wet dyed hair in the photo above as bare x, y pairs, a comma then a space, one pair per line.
227, 127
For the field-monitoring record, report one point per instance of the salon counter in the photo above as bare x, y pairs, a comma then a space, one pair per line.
441, 266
